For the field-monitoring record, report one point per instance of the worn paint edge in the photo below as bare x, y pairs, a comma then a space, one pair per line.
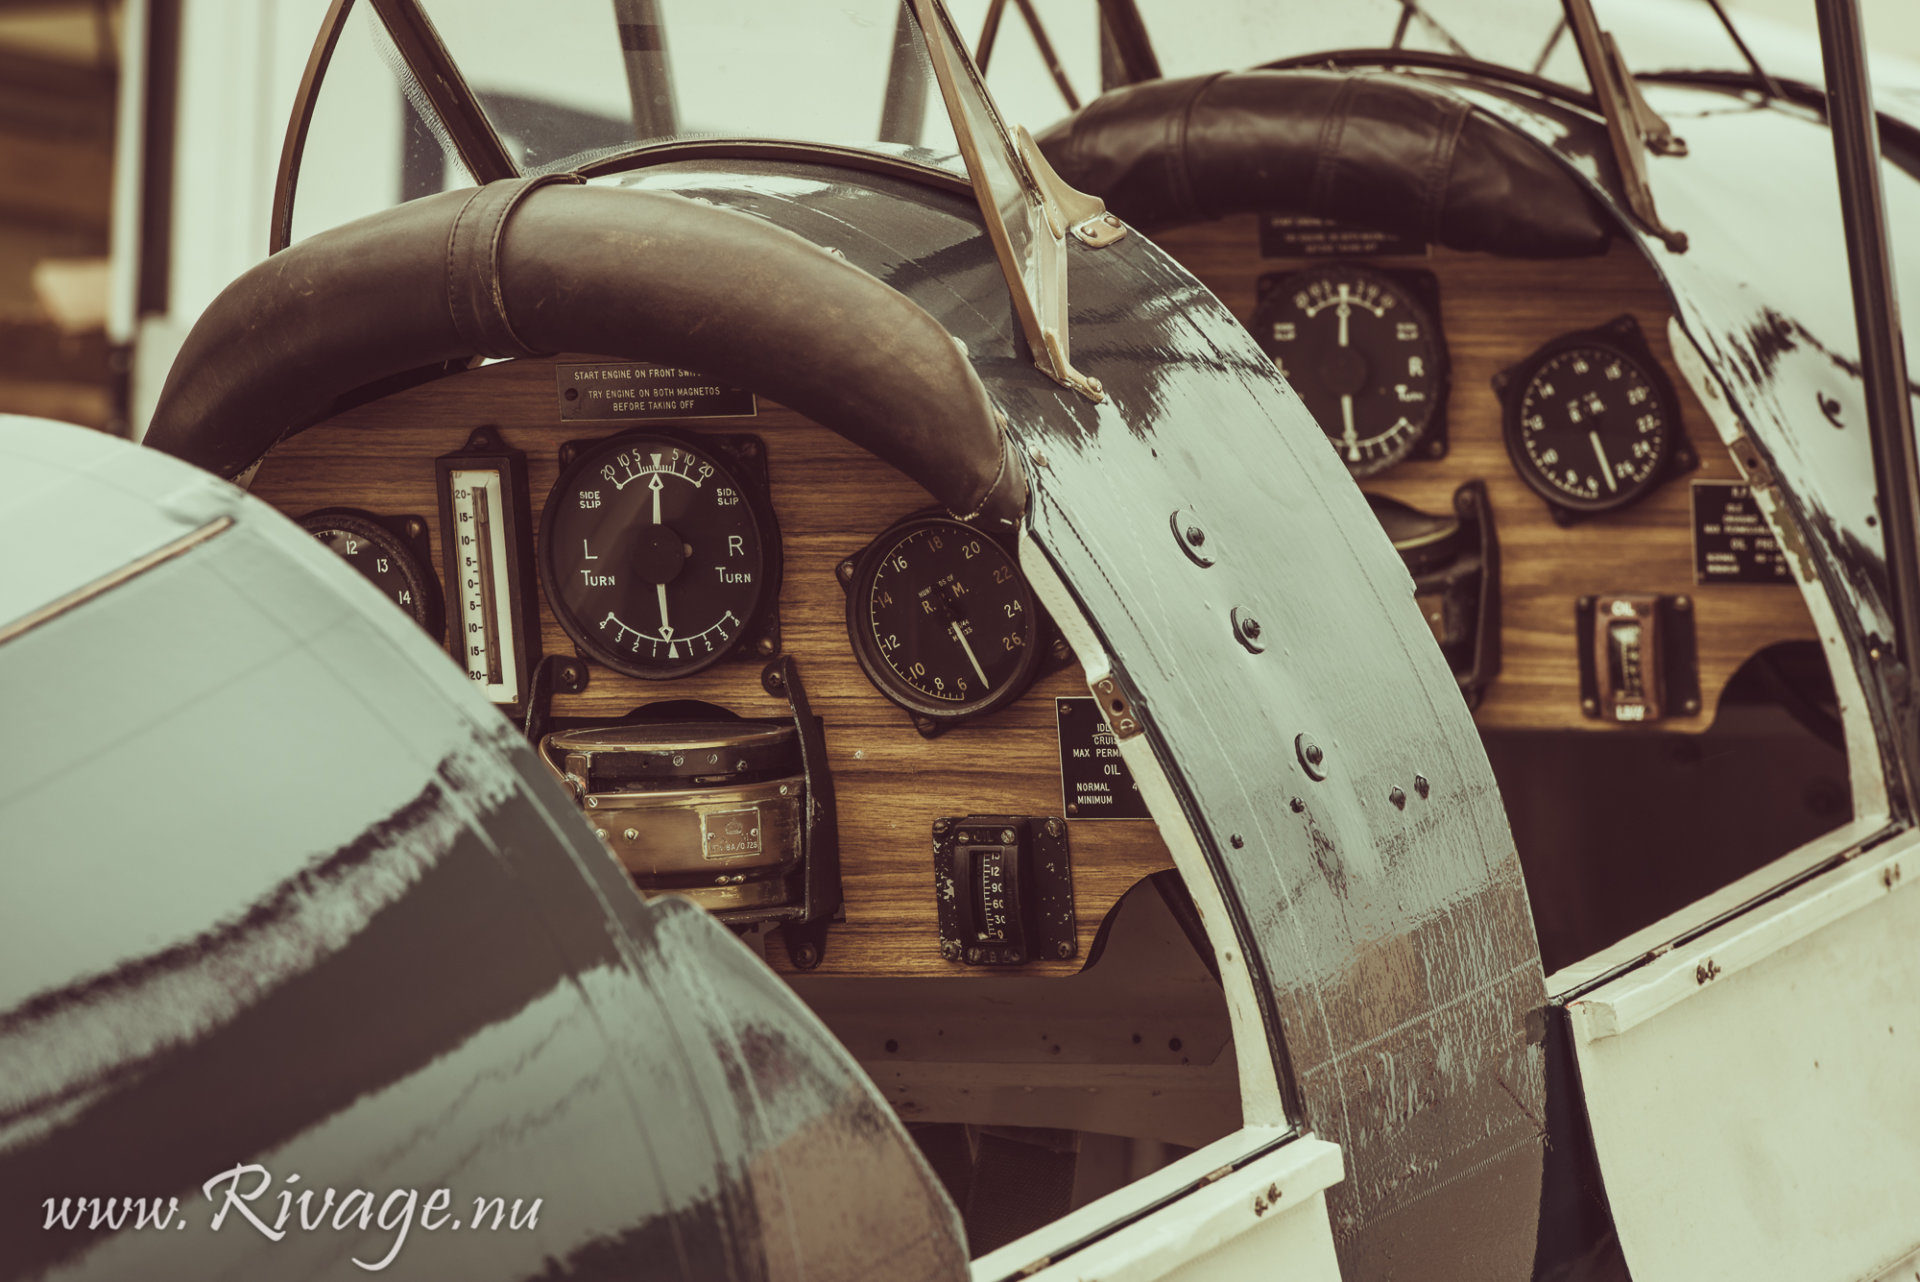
1261, 1102
1679, 974
1866, 769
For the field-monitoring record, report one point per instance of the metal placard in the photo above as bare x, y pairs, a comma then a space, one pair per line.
634, 390
1094, 781
1732, 542
1304, 236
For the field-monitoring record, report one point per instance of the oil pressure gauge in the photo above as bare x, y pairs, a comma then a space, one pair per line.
1365, 353
942, 621
659, 552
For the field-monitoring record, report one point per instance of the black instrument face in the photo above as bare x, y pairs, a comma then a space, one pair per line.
382, 557
1590, 422
1363, 353
942, 620
654, 556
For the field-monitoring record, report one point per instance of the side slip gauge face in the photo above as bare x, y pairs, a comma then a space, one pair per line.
1365, 356
942, 620
385, 557
655, 556
1590, 421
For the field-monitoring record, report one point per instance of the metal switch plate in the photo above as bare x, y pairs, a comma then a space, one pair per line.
1638, 661
1003, 885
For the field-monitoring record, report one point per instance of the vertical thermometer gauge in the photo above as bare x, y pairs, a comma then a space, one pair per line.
483, 535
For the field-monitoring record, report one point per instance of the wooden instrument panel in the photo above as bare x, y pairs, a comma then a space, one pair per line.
831, 499
1495, 312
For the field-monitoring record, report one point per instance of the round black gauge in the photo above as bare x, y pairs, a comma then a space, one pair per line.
1590, 423
1364, 355
384, 558
655, 557
942, 620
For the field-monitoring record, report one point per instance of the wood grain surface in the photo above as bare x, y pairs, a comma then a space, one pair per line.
1495, 312
831, 499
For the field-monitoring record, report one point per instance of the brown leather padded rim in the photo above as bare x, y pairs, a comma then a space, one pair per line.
1364, 147
609, 271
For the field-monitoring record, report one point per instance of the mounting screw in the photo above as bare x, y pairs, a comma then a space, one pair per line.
601, 833
1065, 949
1312, 759
1683, 603
1246, 629
950, 950
764, 645
1006, 835
415, 526
844, 571
973, 955
783, 789
1690, 707
1054, 827
1398, 798
941, 825
592, 802
1297, 805
806, 956
1191, 536
1590, 707
1236, 841
1421, 786
631, 834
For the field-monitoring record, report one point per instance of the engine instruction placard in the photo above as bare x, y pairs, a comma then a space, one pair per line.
634, 390
1302, 235
1732, 542
1094, 781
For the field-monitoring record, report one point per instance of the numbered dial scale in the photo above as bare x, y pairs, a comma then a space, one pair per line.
659, 552
942, 620
1591, 422
391, 555
1365, 354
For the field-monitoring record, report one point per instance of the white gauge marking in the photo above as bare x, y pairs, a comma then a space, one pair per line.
1601, 454
1351, 436
486, 604
961, 637
656, 485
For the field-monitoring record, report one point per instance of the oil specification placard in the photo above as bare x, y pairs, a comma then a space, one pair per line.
1094, 782
633, 390
1731, 540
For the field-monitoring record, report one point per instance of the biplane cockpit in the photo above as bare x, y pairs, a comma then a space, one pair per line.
1248, 616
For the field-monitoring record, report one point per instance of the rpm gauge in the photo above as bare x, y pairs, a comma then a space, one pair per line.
391, 556
1590, 421
655, 555
1365, 356
942, 620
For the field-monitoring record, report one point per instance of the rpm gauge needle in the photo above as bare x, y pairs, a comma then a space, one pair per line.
961, 637
1601, 454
